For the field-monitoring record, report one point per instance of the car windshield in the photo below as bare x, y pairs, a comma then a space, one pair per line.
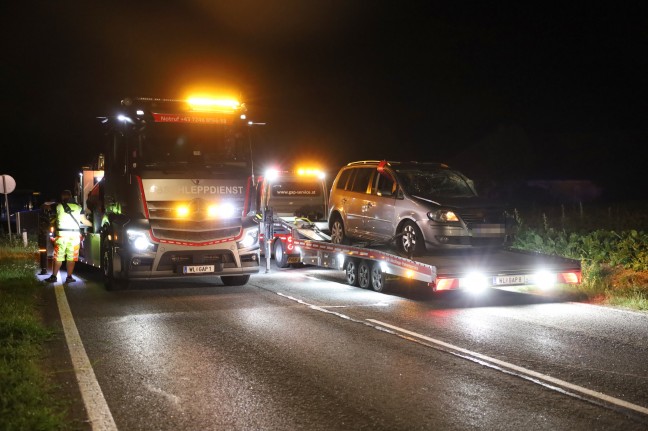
428, 183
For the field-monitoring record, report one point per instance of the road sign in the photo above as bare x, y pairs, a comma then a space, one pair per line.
7, 184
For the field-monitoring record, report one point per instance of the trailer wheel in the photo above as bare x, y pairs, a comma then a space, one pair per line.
364, 274
235, 280
281, 258
377, 278
410, 239
352, 272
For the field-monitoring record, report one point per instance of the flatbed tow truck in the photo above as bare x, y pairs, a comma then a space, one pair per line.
368, 266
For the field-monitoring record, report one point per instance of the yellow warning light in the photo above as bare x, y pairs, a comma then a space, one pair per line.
182, 211
310, 172
211, 104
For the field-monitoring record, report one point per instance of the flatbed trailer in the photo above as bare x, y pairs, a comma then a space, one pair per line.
475, 269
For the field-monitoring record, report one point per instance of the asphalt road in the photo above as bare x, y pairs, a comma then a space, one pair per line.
298, 349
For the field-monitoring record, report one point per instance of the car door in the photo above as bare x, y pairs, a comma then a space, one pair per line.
357, 193
379, 207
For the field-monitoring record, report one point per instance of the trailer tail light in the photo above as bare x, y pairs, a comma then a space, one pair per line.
446, 283
572, 277
289, 244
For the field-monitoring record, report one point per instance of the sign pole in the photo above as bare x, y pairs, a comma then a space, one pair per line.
4, 189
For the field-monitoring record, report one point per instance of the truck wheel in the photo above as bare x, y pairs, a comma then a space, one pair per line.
352, 272
364, 274
410, 239
338, 235
107, 256
281, 258
377, 278
235, 280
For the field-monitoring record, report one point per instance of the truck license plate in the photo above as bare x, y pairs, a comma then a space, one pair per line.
198, 269
502, 280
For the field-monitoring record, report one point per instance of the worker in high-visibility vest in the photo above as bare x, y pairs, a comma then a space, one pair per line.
69, 218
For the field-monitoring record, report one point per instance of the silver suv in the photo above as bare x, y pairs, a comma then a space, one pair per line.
420, 206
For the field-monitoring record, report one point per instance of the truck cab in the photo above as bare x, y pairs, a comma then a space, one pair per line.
171, 193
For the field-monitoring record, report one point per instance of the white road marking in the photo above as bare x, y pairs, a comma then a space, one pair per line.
608, 308
95, 403
534, 376
521, 370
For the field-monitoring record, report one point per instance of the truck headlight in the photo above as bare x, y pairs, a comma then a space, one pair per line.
223, 210
139, 240
250, 238
443, 216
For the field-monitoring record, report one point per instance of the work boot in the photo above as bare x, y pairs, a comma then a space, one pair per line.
51, 279
70, 279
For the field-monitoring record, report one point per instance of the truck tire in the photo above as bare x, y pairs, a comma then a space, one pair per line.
364, 274
352, 272
235, 280
281, 258
377, 278
107, 267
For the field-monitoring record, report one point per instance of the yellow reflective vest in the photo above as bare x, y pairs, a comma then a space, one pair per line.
65, 224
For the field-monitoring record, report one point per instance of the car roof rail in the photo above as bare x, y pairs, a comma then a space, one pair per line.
363, 162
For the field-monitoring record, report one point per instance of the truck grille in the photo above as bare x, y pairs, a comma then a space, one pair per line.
196, 228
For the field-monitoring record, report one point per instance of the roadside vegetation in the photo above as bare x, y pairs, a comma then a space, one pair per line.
27, 400
610, 240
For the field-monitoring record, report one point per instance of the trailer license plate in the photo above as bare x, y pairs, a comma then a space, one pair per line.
502, 280
294, 259
198, 269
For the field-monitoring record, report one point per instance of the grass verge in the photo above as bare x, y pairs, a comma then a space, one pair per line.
27, 400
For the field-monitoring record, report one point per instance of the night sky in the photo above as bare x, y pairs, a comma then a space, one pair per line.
502, 91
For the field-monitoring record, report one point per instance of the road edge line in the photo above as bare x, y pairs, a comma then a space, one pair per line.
525, 371
96, 407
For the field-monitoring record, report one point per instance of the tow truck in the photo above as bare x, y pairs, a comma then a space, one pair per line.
169, 196
373, 264
294, 204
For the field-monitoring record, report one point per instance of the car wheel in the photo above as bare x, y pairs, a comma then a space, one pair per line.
377, 277
364, 274
352, 272
410, 239
338, 235
235, 280
281, 258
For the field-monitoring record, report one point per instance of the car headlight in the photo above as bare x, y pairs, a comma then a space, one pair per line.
250, 238
139, 240
443, 216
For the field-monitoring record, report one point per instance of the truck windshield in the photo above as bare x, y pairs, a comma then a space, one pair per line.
435, 183
162, 144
